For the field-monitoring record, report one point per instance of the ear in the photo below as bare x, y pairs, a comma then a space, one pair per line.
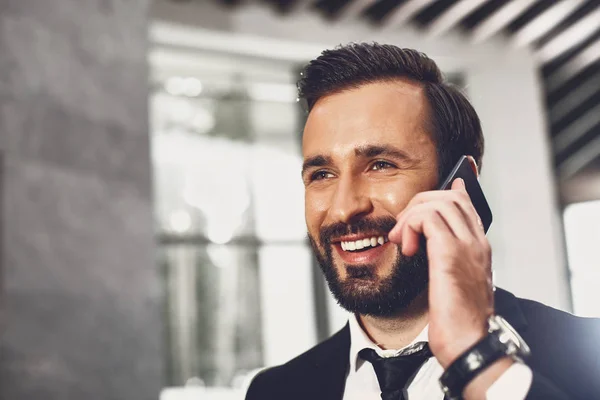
473, 164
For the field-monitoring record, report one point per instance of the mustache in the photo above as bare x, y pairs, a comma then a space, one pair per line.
363, 225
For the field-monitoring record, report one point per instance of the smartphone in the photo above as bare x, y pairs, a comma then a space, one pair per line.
463, 170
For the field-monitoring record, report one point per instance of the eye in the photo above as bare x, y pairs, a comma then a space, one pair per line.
378, 165
320, 175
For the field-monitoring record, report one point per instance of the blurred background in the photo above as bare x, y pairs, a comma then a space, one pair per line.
153, 239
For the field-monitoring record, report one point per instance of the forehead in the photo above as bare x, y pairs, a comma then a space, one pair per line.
379, 113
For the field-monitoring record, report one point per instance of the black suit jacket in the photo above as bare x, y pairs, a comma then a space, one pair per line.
565, 358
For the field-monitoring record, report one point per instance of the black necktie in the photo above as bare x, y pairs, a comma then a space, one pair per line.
394, 372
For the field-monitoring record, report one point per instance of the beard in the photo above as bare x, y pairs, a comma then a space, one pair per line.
363, 291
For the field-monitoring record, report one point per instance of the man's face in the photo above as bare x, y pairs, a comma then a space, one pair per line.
366, 154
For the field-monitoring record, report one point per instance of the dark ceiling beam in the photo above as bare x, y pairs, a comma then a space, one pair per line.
403, 13
544, 22
300, 5
575, 16
554, 65
570, 37
231, 2
576, 130
353, 9
578, 63
452, 16
567, 104
579, 159
499, 19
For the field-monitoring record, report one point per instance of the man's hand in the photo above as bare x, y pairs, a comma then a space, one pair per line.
460, 276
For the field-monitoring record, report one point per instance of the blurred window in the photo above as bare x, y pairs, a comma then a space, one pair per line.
582, 231
228, 198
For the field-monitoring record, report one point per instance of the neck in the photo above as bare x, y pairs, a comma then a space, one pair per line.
396, 332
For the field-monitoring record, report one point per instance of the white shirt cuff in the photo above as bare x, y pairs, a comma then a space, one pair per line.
513, 384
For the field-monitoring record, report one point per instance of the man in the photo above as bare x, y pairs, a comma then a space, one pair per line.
410, 262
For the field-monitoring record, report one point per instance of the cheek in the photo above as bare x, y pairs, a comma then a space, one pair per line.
395, 202
393, 197
315, 210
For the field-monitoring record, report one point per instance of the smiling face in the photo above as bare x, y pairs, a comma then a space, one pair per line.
366, 154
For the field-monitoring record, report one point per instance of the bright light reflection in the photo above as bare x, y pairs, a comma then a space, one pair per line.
193, 87
177, 86
214, 177
221, 231
214, 198
221, 256
181, 110
275, 92
203, 120
278, 194
180, 221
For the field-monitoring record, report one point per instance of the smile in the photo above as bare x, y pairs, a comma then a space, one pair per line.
363, 244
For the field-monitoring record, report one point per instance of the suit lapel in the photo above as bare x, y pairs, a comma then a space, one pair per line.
507, 306
331, 367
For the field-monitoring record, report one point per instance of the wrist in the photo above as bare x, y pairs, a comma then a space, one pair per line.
473, 371
455, 348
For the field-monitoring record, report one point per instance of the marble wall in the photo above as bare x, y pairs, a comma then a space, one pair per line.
80, 298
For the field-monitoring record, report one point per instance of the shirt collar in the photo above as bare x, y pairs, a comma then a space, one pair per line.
359, 340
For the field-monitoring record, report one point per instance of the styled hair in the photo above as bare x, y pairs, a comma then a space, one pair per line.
452, 121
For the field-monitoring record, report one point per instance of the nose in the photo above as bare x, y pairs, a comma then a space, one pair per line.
350, 202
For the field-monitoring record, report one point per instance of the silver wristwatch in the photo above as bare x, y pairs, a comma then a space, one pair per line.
502, 340
515, 345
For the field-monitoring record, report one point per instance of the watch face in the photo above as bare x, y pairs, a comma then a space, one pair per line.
509, 336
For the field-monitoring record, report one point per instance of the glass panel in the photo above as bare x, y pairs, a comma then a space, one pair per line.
202, 186
586, 297
288, 308
213, 309
278, 192
582, 230
229, 218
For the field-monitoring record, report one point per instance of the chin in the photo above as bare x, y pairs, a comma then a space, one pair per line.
378, 290
383, 286
365, 272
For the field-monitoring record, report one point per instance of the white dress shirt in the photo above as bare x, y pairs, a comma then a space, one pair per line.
362, 384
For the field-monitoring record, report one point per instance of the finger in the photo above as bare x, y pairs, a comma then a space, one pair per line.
456, 218
452, 214
395, 235
458, 195
459, 184
427, 221
432, 225
399, 234
467, 207
410, 241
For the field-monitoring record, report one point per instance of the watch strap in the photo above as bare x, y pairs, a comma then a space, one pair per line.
470, 364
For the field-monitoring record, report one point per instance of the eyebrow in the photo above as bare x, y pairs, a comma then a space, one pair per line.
316, 161
370, 151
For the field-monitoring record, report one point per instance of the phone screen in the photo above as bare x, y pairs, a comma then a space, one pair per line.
463, 170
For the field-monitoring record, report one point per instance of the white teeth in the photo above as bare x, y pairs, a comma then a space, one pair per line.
363, 243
